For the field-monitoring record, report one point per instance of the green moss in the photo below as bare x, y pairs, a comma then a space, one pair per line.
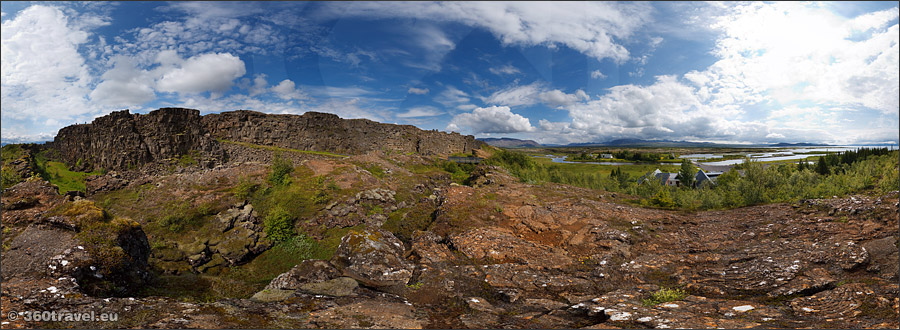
376, 170
664, 295
406, 221
188, 159
99, 234
82, 212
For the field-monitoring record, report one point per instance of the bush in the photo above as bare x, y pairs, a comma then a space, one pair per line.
663, 199
279, 224
281, 168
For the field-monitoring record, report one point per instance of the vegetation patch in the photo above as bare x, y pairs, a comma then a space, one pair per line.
406, 221
851, 172
664, 295
58, 173
279, 225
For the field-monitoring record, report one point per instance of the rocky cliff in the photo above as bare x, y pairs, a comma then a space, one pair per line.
122, 140
328, 132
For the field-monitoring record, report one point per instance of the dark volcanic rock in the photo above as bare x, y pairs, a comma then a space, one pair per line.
310, 271
328, 132
122, 140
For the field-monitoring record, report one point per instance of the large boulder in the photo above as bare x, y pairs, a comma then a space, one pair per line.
309, 271
311, 276
374, 257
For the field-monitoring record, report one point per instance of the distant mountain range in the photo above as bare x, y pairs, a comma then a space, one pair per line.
510, 142
513, 143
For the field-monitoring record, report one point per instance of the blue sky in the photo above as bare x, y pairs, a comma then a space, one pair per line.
553, 72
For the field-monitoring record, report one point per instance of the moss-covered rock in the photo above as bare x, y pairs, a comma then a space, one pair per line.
374, 257
338, 287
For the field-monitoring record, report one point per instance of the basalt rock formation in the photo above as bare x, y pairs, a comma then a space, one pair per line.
328, 132
122, 140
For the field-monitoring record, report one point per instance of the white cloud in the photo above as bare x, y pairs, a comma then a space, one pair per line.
452, 96
43, 75
597, 74
418, 91
588, 27
516, 95
533, 93
557, 98
202, 73
124, 85
801, 52
287, 91
425, 111
259, 85
504, 70
490, 120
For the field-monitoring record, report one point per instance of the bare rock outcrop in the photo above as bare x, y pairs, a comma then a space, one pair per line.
122, 140
373, 257
328, 132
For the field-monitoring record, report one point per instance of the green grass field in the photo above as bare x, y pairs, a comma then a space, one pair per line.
59, 174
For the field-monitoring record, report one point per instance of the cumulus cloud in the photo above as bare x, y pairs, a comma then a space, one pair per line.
124, 85
592, 28
816, 65
418, 91
492, 119
795, 52
213, 72
44, 78
597, 74
259, 84
558, 98
287, 91
425, 111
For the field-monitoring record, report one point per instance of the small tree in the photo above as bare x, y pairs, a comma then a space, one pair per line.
279, 224
686, 174
281, 167
822, 167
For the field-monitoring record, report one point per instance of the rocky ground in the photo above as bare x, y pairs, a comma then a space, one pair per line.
496, 254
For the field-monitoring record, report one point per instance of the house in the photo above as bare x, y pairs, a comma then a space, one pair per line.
606, 156
671, 179
709, 177
668, 179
